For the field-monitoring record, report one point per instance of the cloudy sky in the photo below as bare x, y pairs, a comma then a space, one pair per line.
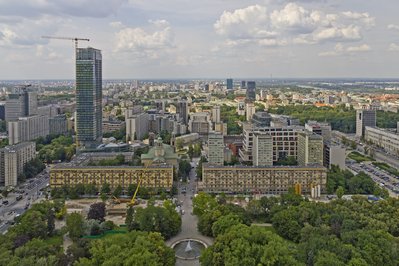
202, 39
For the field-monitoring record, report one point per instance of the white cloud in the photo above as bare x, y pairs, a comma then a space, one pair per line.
363, 18
296, 18
393, 27
145, 43
360, 48
27, 32
340, 49
244, 23
272, 42
116, 24
292, 23
47, 54
349, 33
393, 47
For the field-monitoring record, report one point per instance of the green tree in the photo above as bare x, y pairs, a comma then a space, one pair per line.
134, 248
97, 211
157, 219
74, 223
340, 192
32, 224
105, 188
252, 246
179, 144
224, 223
184, 168
131, 189
203, 203
117, 191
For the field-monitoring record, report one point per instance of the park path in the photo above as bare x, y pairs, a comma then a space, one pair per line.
189, 221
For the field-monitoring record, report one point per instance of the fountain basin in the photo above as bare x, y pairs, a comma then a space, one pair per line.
188, 249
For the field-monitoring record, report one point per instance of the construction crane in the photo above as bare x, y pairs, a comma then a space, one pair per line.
133, 200
75, 39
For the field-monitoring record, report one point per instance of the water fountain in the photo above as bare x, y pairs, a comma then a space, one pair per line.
188, 249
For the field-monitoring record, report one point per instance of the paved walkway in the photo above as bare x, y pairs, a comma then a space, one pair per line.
189, 221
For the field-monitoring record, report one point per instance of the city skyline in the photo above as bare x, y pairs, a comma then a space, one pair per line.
181, 39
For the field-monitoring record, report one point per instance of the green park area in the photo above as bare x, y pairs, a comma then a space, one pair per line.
359, 157
387, 168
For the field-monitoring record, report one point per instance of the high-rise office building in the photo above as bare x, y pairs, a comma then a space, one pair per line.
243, 84
216, 149
310, 148
20, 104
364, 118
229, 84
262, 151
251, 91
216, 114
136, 126
88, 97
182, 110
3, 111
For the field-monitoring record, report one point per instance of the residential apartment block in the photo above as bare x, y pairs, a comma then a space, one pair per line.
151, 177
12, 161
310, 148
383, 138
263, 180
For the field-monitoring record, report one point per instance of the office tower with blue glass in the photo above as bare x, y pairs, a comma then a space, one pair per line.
229, 84
88, 97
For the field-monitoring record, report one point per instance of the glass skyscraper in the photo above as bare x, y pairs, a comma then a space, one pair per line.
251, 91
229, 84
88, 97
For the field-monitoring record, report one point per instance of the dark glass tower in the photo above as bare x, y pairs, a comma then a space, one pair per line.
251, 91
88, 97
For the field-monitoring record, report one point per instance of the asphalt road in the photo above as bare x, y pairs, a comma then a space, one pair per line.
189, 221
31, 194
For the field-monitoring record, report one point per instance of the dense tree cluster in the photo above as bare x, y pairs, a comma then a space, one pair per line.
341, 118
134, 248
228, 114
184, 169
342, 232
118, 160
34, 240
194, 150
164, 220
352, 184
54, 148
119, 135
198, 171
31, 169
210, 210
